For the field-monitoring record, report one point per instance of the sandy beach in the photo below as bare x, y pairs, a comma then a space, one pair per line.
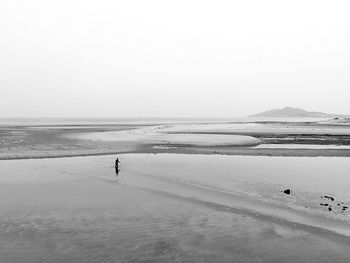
185, 193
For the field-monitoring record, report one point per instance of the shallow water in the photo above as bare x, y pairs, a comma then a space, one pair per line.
168, 208
258, 127
256, 183
156, 135
302, 146
85, 121
88, 121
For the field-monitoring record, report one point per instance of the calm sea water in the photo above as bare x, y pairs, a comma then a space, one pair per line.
85, 121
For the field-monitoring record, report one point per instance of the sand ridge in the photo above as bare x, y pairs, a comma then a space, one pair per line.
235, 138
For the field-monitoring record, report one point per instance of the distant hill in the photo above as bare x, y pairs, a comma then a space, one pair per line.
289, 112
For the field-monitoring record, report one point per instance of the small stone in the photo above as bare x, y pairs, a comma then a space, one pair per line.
328, 197
287, 191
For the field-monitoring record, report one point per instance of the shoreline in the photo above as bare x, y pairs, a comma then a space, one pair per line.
185, 149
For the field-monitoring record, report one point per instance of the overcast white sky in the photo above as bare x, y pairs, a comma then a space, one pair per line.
81, 58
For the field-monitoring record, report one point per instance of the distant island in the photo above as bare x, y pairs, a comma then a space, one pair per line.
289, 112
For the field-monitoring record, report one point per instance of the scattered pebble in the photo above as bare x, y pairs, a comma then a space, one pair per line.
328, 205
287, 191
328, 197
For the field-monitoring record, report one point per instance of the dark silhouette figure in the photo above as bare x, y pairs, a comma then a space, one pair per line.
117, 166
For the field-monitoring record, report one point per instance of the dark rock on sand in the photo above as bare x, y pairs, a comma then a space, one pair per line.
287, 191
329, 197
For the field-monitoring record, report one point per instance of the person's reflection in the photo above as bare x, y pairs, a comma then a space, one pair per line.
117, 171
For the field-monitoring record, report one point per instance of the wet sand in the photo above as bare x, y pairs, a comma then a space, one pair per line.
22, 142
178, 206
77, 210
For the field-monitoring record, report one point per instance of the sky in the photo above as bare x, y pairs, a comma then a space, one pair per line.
184, 58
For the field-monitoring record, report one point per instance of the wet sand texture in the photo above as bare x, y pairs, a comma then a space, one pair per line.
76, 210
21, 142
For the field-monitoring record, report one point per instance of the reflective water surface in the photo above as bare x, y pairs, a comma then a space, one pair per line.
302, 146
172, 208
